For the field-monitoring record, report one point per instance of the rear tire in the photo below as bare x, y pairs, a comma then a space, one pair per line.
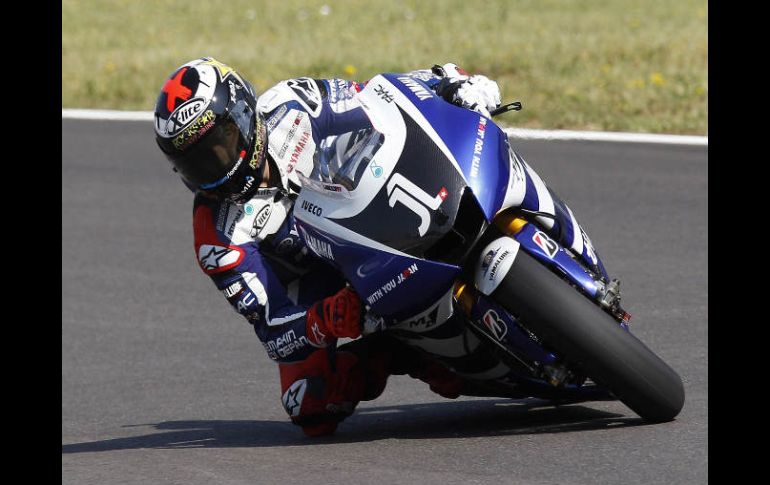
590, 339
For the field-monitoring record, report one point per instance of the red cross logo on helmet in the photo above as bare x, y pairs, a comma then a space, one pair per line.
174, 89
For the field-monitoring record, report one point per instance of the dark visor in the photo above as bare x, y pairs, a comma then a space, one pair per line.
217, 155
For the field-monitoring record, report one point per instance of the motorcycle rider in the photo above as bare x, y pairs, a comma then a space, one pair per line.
240, 154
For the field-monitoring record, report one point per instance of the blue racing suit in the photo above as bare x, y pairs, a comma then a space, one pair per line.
254, 256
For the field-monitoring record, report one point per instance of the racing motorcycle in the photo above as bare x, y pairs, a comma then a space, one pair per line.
417, 213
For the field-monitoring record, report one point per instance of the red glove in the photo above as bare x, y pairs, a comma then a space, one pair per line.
338, 315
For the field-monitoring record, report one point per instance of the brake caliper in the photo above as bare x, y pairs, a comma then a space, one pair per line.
609, 299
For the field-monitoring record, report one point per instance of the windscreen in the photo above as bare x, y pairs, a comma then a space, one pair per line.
344, 159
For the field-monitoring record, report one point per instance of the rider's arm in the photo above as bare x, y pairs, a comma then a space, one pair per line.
289, 332
330, 103
334, 109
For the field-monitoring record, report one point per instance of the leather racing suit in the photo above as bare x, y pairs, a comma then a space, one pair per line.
254, 256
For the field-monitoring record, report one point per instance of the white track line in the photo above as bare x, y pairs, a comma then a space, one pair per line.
103, 114
527, 134
517, 133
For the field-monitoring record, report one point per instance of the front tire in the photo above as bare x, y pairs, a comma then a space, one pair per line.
590, 339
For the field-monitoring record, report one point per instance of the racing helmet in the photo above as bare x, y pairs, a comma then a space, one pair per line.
208, 126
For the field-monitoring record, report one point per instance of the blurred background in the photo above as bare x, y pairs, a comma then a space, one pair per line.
621, 65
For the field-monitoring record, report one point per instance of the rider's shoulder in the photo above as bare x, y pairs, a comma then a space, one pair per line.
239, 224
210, 219
308, 93
215, 249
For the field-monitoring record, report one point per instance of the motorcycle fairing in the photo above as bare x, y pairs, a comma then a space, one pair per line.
394, 213
553, 255
394, 284
482, 158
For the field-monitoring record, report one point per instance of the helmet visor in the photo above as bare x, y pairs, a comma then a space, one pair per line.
219, 153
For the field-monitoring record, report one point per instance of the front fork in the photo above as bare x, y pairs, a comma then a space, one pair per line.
565, 263
514, 343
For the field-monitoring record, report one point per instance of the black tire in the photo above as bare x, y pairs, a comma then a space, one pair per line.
590, 339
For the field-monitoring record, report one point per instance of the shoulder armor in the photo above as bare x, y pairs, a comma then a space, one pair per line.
214, 252
303, 90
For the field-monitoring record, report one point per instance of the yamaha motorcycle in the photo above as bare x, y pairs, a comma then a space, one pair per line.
419, 213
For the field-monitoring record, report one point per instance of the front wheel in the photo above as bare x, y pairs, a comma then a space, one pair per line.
590, 339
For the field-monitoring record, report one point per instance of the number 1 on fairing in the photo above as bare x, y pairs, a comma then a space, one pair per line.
401, 189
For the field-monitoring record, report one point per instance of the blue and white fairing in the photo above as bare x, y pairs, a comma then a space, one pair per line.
377, 199
477, 147
381, 197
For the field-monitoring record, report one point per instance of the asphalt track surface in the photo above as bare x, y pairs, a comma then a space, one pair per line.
163, 383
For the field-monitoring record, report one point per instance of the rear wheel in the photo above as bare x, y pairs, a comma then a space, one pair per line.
590, 339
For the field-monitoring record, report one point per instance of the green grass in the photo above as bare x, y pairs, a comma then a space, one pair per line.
620, 65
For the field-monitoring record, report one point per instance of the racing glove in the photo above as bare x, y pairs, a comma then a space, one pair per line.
477, 92
339, 315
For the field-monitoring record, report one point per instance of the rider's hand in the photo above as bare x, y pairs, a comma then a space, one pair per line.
478, 93
339, 315
451, 72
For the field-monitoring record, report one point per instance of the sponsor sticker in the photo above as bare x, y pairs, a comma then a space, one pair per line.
318, 246
478, 146
215, 258
261, 219
301, 144
495, 324
259, 146
184, 115
332, 187
237, 216
494, 265
415, 87
392, 284
292, 398
317, 338
545, 243
276, 117
312, 208
247, 185
307, 91
284, 345
222, 217
290, 134
195, 130
245, 302
376, 169
424, 322
383, 93
233, 290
